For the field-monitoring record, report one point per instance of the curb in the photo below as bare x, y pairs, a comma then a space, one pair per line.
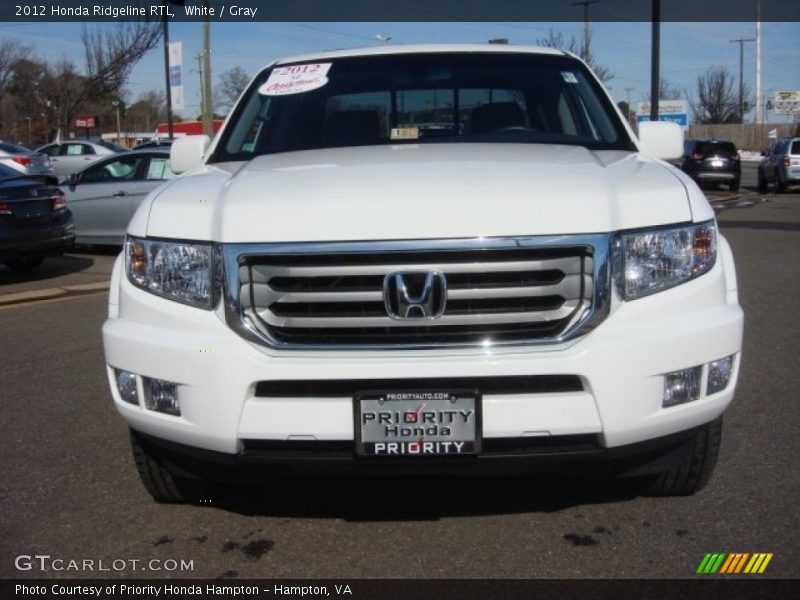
49, 293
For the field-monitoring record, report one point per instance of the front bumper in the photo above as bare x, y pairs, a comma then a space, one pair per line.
567, 455
620, 365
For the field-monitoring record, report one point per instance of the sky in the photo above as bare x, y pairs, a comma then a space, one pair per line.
687, 49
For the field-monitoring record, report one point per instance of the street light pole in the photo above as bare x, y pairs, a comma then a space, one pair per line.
165, 25
655, 57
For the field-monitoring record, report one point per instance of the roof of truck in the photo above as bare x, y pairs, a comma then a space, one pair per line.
420, 49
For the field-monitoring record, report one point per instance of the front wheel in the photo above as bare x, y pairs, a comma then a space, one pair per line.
162, 485
695, 471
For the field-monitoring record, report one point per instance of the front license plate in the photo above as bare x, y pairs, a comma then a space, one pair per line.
417, 423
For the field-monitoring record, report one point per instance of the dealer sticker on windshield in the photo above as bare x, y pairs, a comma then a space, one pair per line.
417, 423
295, 79
569, 77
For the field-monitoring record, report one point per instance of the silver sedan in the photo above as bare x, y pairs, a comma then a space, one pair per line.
26, 162
74, 155
104, 196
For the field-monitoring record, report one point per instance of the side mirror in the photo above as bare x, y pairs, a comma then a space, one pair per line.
661, 139
188, 153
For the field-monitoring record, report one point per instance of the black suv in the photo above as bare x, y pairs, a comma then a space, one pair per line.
712, 161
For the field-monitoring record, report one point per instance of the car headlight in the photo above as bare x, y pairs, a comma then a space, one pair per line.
176, 270
651, 261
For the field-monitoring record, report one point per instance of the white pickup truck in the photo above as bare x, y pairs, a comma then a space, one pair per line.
424, 259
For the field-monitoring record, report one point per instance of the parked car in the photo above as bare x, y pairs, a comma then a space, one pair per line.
712, 162
328, 287
780, 165
104, 196
24, 161
74, 155
158, 143
34, 219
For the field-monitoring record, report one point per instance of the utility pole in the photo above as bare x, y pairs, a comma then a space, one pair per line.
199, 58
655, 56
585, 4
116, 104
628, 93
741, 42
758, 118
208, 115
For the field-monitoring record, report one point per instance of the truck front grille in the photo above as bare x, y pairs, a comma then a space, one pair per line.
493, 291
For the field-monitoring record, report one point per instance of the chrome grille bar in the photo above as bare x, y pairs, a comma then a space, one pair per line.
331, 296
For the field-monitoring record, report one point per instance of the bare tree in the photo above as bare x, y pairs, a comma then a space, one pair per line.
231, 84
557, 40
718, 97
148, 110
10, 52
666, 91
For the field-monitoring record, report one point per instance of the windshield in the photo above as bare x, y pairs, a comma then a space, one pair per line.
422, 98
113, 147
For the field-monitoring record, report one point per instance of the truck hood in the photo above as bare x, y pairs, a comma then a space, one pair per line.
417, 192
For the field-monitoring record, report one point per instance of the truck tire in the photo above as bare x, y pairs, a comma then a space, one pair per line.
762, 182
695, 471
162, 485
780, 185
24, 264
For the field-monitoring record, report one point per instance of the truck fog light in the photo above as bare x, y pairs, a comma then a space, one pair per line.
719, 373
161, 396
126, 386
682, 386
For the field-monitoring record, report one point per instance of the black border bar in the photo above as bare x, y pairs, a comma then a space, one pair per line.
711, 587
400, 10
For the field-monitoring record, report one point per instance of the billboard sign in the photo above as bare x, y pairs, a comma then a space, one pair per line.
668, 110
86, 122
787, 103
175, 52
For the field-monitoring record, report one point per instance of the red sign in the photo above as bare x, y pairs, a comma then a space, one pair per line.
86, 122
189, 127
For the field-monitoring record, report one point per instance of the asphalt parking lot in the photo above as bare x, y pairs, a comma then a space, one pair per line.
69, 488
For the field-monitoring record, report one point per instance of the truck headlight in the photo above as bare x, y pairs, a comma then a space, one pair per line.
651, 261
176, 270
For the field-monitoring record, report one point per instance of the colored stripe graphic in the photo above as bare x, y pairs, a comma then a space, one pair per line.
718, 563
728, 564
741, 562
759, 563
703, 563
711, 563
